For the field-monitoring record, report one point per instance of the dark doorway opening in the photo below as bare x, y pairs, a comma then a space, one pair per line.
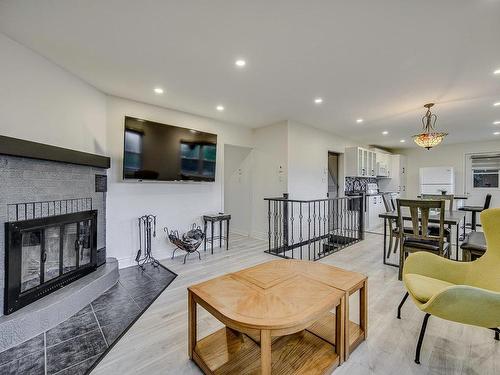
333, 175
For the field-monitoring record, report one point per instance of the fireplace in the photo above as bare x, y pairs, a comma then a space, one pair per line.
44, 254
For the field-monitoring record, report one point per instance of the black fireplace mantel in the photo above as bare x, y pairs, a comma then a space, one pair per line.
34, 150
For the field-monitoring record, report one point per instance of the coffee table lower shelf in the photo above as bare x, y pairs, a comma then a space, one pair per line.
229, 352
325, 328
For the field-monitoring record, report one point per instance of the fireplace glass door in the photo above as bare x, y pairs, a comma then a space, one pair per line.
31, 253
44, 254
70, 247
84, 242
50, 256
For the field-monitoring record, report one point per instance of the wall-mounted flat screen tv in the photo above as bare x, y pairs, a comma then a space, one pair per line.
154, 151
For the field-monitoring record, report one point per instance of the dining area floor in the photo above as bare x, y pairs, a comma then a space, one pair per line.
157, 343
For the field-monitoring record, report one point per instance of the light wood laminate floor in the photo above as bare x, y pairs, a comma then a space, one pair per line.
157, 343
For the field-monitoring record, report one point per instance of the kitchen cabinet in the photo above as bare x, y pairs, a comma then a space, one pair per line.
397, 174
383, 165
374, 207
360, 162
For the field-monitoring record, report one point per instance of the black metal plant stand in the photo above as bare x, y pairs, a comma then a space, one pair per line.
147, 230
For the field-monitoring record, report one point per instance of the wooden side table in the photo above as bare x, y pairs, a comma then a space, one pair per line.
267, 311
214, 219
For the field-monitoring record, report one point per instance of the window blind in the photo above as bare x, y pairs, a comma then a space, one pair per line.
486, 162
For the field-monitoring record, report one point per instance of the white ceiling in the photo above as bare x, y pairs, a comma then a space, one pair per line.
379, 60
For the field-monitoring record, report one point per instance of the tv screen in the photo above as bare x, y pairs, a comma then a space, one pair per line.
154, 151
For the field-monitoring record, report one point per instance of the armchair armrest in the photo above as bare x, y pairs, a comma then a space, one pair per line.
466, 304
431, 265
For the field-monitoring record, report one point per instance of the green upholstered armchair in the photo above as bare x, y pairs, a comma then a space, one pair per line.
463, 292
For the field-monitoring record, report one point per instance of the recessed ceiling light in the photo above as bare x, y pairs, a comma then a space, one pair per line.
318, 100
402, 141
497, 104
385, 132
220, 108
496, 71
158, 90
240, 63
496, 133
359, 120
496, 123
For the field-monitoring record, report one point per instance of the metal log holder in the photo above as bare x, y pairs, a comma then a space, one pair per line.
147, 230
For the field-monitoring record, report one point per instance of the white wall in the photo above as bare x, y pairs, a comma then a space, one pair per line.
308, 160
447, 155
270, 171
42, 102
177, 205
238, 170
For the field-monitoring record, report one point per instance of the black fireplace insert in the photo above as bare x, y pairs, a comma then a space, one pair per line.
44, 254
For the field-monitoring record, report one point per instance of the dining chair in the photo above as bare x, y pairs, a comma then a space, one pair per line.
449, 201
475, 209
393, 231
419, 238
448, 198
462, 292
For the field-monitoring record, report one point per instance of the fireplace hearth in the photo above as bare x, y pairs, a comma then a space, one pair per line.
44, 254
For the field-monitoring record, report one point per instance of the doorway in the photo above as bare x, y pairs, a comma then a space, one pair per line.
333, 175
238, 187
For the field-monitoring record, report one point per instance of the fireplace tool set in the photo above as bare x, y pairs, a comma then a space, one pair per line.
147, 230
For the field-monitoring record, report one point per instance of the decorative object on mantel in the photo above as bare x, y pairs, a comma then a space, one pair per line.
429, 137
147, 230
190, 241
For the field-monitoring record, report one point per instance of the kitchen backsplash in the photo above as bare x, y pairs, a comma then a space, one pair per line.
358, 184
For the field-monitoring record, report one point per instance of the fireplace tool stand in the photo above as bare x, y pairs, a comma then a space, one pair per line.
147, 230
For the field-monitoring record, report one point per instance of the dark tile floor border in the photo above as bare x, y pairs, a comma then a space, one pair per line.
103, 354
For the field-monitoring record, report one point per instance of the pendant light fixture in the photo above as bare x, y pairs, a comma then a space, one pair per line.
429, 137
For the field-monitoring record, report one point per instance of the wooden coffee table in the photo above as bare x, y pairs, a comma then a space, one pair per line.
278, 305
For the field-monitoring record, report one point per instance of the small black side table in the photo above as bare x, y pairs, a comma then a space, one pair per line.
214, 219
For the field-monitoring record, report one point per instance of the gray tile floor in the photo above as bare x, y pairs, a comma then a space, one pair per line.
76, 344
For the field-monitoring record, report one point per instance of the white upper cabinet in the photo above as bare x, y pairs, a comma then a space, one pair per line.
383, 164
397, 182
360, 162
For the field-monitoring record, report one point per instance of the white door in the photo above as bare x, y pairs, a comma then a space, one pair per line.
238, 187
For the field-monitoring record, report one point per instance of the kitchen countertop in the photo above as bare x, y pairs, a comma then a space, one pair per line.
358, 193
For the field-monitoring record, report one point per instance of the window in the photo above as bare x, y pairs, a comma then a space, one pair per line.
133, 151
485, 170
198, 159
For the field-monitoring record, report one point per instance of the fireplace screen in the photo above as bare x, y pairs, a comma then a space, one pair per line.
45, 254
30, 260
52, 244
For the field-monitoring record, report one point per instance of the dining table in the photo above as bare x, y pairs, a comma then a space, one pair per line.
451, 219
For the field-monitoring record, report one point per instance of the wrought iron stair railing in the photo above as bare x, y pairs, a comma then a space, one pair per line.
313, 229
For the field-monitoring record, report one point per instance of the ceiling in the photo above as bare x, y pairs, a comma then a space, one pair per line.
376, 60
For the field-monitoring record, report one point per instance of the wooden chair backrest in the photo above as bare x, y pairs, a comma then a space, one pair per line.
419, 211
449, 198
388, 202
